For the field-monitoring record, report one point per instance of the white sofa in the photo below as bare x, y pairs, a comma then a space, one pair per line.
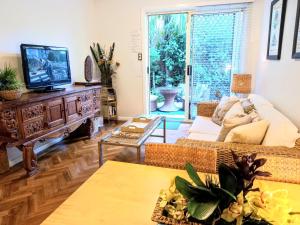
281, 131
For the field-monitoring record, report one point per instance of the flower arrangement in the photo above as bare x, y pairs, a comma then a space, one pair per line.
230, 200
105, 63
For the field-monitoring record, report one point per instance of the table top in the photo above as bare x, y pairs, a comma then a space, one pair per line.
124, 193
132, 142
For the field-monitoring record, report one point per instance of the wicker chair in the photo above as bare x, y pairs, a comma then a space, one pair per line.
176, 156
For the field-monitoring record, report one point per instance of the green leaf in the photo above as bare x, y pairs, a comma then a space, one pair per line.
193, 175
204, 193
227, 179
185, 187
202, 210
222, 191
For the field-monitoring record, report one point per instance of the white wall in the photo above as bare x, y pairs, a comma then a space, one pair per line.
48, 22
119, 20
279, 80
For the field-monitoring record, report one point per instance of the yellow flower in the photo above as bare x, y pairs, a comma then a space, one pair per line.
271, 206
178, 206
171, 194
234, 211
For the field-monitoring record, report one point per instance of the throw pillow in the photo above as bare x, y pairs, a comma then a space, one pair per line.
248, 106
235, 110
229, 124
252, 133
223, 107
255, 116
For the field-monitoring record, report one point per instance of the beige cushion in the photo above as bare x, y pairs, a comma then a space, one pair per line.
252, 133
281, 132
258, 100
204, 125
255, 116
248, 106
223, 107
203, 137
229, 124
235, 110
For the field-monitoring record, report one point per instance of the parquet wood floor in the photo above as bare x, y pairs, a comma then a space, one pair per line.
28, 201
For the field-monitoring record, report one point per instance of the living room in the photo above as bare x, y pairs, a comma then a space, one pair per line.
59, 167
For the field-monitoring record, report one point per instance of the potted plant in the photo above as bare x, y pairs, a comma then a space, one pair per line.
105, 63
10, 86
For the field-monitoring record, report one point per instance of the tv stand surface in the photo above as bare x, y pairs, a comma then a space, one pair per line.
48, 89
35, 116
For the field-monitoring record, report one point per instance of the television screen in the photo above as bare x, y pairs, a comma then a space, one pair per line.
45, 66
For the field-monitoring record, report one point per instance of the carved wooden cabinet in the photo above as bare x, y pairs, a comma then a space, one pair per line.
37, 116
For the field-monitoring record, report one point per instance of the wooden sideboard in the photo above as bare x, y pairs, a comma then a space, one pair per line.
36, 116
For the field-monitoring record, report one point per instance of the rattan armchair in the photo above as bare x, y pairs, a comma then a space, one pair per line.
176, 156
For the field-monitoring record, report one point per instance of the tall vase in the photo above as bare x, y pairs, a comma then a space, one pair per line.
106, 80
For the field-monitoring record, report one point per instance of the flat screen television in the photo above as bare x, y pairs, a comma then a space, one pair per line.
45, 67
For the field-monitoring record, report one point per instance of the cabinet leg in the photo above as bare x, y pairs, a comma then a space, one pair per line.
29, 159
4, 165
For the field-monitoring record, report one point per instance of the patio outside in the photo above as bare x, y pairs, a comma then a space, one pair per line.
167, 47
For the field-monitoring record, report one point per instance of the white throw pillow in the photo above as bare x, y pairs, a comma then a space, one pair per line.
258, 100
231, 123
223, 107
252, 133
282, 132
235, 110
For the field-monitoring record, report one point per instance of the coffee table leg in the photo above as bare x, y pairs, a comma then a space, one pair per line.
165, 131
138, 154
100, 150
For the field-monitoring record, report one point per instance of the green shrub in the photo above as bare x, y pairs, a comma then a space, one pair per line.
8, 79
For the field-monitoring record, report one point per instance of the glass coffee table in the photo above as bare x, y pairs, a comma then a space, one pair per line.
111, 139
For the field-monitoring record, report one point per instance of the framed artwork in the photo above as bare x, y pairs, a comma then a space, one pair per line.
276, 26
296, 45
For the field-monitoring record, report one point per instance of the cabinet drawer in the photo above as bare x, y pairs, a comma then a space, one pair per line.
33, 127
30, 112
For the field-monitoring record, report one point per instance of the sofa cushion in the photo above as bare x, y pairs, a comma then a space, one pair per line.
258, 100
252, 133
248, 106
229, 124
235, 110
203, 137
281, 132
223, 107
204, 125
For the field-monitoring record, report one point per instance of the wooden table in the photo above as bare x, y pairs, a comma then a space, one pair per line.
122, 193
129, 142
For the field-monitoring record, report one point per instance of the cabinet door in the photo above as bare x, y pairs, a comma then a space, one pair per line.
73, 109
55, 113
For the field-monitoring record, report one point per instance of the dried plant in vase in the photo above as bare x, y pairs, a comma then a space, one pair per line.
105, 63
10, 86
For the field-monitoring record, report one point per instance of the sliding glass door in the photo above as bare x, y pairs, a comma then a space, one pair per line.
192, 56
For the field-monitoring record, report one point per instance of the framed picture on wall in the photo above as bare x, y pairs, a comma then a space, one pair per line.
276, 26
296, 45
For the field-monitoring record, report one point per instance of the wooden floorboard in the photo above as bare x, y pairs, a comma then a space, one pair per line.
65, 166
